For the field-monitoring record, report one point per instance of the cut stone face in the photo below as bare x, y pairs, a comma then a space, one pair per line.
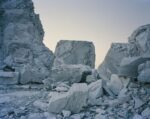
76, 52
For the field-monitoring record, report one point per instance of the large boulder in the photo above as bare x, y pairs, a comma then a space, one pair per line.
76, 52
112, 60
22, 40
137, 46
74, 100
69, 73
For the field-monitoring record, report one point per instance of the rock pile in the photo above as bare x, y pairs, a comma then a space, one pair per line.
72, 89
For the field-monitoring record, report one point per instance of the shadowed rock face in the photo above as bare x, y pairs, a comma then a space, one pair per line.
21, 41
75, 52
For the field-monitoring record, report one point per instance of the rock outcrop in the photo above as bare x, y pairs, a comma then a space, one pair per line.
21, 41
124, 59
75, 52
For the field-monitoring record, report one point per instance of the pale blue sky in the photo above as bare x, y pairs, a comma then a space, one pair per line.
100, 21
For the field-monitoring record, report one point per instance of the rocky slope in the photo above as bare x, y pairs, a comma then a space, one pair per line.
69, 88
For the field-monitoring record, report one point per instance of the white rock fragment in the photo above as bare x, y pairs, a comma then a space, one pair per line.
115, 84
95, 91
74, 100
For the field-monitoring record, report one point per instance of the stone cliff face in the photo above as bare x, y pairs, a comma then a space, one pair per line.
21, 41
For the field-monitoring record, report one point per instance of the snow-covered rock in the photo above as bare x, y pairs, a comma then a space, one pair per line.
75, 52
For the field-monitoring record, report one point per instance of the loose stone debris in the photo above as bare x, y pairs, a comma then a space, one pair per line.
38, 84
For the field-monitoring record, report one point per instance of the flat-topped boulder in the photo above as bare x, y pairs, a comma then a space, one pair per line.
76, 52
